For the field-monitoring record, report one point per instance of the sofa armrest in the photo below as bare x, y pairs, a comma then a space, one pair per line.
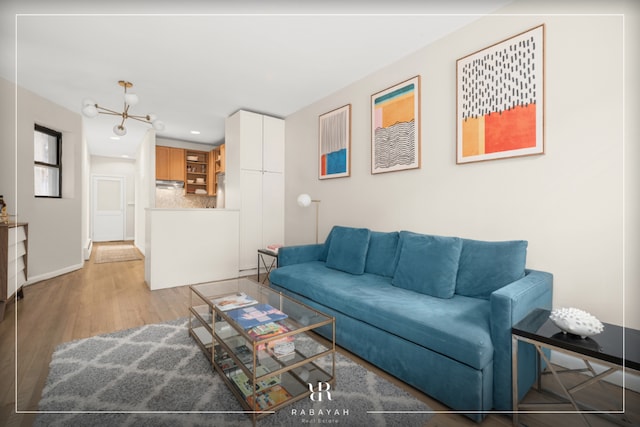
509, 305
288, 255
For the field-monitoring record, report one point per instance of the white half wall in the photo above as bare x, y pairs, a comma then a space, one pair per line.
568, 203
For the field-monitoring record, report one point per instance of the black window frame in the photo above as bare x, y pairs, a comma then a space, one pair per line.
58, 165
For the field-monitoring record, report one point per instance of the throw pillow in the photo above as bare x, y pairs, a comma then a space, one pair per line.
428, 264
382, 252
488, 266
348, 249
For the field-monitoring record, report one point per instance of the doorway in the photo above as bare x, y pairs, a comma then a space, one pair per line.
108, 208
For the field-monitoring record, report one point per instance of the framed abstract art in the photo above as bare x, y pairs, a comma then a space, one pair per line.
500, 99
395, 127
334, 134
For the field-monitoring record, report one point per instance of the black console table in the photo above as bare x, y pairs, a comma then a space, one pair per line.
273, 255
616, 348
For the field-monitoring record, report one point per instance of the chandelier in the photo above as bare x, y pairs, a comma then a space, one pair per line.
90, 109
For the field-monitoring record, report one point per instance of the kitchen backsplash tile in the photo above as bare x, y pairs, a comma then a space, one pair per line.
176, 199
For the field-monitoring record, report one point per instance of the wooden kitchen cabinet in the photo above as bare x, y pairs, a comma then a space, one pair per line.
170, 163
220, 159
216, 162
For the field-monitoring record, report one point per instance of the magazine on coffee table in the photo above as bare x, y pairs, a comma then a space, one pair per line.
234, 301
259, 314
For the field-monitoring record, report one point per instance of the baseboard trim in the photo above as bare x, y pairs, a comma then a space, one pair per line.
39, 278
88, 249
247, 272
631, 381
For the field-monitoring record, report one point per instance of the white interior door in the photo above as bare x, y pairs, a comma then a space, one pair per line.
108, 208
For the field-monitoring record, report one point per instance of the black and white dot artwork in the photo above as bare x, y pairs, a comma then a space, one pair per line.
500, 99
500, 78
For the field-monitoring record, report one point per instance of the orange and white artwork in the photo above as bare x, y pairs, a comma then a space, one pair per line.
500, 105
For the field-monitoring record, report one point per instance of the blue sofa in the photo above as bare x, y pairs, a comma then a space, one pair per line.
433, 311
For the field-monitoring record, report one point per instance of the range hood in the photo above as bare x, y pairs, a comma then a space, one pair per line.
170, 184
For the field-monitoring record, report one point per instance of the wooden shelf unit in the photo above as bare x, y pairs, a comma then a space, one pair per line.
197, 171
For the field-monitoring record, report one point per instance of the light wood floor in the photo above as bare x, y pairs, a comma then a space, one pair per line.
102, 298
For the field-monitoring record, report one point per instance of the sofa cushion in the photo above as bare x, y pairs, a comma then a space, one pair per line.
488, 266
428, 264
348, 249
457, 327
381, 254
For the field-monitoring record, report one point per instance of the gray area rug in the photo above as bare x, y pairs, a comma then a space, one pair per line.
156, 375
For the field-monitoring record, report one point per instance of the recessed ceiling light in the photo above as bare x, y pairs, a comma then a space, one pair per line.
115, 138
195, 132
125, 156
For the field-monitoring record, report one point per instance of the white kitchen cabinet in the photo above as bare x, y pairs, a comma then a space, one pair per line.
251, 223
250, 140
254, 178
272, 208
13, 261
273, 145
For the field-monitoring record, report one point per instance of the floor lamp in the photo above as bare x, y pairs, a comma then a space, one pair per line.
305, 201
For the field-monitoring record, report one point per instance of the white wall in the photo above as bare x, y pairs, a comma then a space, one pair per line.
567, 203
114, 166
55, 234
87, 243
145, 185
8, 145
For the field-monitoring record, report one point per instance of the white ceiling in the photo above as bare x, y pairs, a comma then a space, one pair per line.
194, 70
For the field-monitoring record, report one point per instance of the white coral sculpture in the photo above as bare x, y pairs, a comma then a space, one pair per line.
576, 321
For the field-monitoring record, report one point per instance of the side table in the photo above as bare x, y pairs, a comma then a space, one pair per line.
272, 256
616, 348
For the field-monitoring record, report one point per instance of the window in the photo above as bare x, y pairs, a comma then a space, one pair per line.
47, 153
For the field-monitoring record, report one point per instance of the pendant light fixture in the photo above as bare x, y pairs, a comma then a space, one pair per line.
90, 109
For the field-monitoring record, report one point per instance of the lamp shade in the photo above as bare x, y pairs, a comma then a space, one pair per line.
131, 98
89, 111
119, 130
158, 125
304, 200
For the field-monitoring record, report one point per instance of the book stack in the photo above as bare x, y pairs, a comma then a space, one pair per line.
256, 315
243, 382
270, 330
267, 330
274, 248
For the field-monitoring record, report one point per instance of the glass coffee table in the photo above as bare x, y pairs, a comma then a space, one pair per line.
262, 344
